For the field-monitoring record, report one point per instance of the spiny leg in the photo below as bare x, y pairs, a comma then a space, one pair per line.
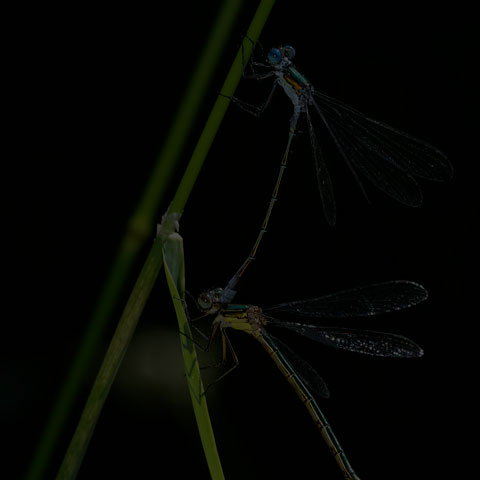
225, 342
252, 62
194, 327
213, 331
254, 110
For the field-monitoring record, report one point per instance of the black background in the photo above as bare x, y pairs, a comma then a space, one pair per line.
93, 93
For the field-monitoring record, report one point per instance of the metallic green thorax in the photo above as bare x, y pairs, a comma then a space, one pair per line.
298, 77
232, 308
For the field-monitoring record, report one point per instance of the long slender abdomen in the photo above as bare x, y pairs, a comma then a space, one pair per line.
312, 406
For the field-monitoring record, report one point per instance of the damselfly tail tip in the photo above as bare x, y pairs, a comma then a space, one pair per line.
332, 221
448, 172
444, 170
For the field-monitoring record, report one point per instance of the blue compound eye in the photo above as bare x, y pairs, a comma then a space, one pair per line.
288, 51
274, 56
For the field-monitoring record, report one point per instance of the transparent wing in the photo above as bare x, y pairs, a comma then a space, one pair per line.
368, 342
357, 302
387, 157
307, 374
323, 177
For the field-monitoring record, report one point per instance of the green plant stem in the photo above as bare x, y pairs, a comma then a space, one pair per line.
139, 230
129, 319
220, 107
118, 346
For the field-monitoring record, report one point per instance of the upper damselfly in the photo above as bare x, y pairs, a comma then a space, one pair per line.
387, 157
362, 301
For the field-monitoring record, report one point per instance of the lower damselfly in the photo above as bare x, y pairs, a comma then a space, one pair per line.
358, 302
387, 157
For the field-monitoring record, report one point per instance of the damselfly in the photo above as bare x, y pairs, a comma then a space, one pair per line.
388, 158
307, 383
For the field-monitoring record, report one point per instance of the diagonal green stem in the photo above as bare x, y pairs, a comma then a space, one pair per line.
111, 363
139, 230
129, 319
220, 106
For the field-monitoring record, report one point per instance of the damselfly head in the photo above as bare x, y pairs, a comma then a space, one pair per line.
277, 56
274, 56
208, 301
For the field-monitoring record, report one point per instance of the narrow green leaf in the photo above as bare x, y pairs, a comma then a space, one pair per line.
175, 273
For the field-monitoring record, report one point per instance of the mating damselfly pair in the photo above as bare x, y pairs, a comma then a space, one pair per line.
390, 160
